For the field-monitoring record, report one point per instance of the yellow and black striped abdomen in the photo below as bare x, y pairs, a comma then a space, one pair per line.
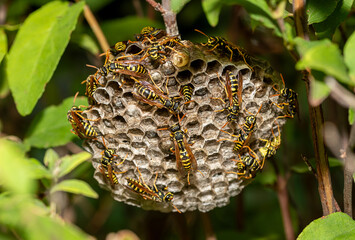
89, 130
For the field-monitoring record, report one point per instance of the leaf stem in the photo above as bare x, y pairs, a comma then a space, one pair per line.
94, 25
168, 16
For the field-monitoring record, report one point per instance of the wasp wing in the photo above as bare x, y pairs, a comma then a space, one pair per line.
178, 158
192, 156
228, 88
240, 89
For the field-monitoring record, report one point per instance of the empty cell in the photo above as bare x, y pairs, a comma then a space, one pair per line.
211, 146
114, 88
193, 127
230, 68
135, 133
198, 65
210, 131
202, 92
213, 67
133, 49
184, 77
167, 68
200, 79
108, 123
205, 112
119, 122
101, 96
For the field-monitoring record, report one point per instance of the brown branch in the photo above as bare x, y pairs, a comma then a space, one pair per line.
310, 167
349, 169
210, 235
138, 7
325, 189
282, 195
94, 25
168, 16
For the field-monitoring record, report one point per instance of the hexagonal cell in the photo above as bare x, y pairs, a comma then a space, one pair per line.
184, 77
133, 49
119, 122
168, 68
200, 79
101, 96
203, 91
213, 67
211, 146
162, 117
230, 68
113, 88
209, 131
136, 134
205, 112
198, 65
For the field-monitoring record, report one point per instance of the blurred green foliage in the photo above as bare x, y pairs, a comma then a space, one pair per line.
44, 47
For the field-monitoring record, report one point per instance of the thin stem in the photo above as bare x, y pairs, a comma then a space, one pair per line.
349, 170
317, 122
94, 25
168, 16
210, 235
282, 195
138, 7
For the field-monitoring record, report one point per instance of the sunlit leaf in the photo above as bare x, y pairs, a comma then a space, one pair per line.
319, 10
326, 28
334, 226
86, 42
351, 116
36, 169
15, 176
177, 5
325, 57
51, 127
319, 92
68, 163
50, 158
38, 46
212, 8
3, 44
76, 187
349, 55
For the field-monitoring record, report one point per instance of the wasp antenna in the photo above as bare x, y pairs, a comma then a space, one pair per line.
176, 208
135, 79
181, 118
283, 81
259, 109
103, 141
201, 32
92, 66
76, 94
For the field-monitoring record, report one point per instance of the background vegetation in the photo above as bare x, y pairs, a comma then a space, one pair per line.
46, 186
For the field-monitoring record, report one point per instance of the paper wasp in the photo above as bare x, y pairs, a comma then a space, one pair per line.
291, 102
81, 128
248, 165
222, 44
186, 91
244, 132
150, 33
91, 85
119, 47
151, 193
106, 167
233, 89
185, 159
271, 145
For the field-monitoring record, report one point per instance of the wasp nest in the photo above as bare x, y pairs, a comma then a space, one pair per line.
140, 132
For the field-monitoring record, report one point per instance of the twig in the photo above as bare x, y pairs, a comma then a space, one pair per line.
168, 16
90, 18
240, 215
282, 195
138, 7
349, 169
309, 165
341, 95
317, 121
210, 235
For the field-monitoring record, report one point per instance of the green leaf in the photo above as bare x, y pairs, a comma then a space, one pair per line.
51, 127
36, 169
349, 55
15, 175
38, 46
334, 226
303, 168
325, 56
319, 92
68, 163
3, 44
177, 5
86, 42
212, 8
351, 116
50, 157
303, 45
124, 28
334, 162
326, 28
319, 10
75, 186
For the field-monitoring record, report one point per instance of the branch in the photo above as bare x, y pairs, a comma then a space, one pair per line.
325, 189
90, 18
341, 95
168, 16
210, 235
